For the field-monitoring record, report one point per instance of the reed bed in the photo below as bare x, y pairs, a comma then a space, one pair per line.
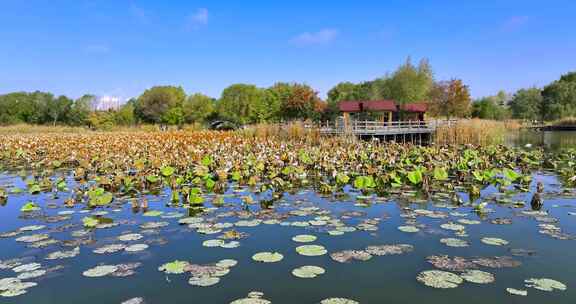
473, 131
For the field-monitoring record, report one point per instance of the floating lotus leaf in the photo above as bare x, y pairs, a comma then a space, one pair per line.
130, 237
450, 263
29, 207
190, 220
267, 257
494, 241
545, 284
304, 238
497, 262
27, 267
469, 222
308, 271
153, 213
12, 287
32, 238
31, 274
63, 254
349, 255
227, 263
311, 250
382, 250
213, 243
136, 247
111, 248
338, 301
410, 229
175, 267
100, 271
89, 222
439, 279
203, 281
517, 292
254, 297
231, 244
243, 223
137, 300
452, 226
335, 232
454, 242
478, 276
32, 228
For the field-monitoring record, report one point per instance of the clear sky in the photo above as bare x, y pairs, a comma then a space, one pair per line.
118, 47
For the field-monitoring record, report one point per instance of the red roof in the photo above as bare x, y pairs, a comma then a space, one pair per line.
369, 105
419, 107
380, 105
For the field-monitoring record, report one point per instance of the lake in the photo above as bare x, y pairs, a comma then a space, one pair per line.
362, 222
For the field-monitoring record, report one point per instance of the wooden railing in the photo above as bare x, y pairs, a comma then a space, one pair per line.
368, 127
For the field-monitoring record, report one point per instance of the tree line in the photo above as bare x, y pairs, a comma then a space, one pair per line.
248, 104
552, 102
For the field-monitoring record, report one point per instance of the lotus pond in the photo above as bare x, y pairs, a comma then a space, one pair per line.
223, 218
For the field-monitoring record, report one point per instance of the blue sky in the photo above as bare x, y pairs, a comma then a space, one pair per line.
120, 47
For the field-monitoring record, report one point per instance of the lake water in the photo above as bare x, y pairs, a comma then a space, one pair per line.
549, 140
381, 279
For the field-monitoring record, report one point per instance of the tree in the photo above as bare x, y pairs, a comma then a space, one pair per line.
125, 115
526, 104
241, 103
155, 102
197, 108
58, 108
559, 98
174, 116
80, 110
450, 99
407, 84
302, 102
489, 108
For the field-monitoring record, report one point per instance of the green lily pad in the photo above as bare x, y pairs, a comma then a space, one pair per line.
311, 250
267, 257
304, 238
306, 272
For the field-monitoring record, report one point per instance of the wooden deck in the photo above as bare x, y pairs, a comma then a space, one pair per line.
377, 128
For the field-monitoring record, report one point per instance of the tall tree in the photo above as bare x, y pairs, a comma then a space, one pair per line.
241, 103
80, 110
155, 102
408, 83
450, 99
57, 108
527, 104
559, 98
198, 107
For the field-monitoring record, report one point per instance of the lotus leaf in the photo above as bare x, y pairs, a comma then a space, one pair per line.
100, 271
267, 257
304, 238
311, 250
545, 284
478, 276
439, 279
175, 267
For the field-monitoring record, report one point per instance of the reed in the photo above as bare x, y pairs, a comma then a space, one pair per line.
473, 131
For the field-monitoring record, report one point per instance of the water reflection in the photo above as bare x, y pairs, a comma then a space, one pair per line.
549, 140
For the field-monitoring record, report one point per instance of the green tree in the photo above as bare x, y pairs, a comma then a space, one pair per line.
174, 116
489, 108
198, 107
80, 110
559, 98
157, 101
407, 84
57, 109
242, 103
125, 115
526, 104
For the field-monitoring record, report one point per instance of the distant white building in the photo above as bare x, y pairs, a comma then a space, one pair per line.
105, 103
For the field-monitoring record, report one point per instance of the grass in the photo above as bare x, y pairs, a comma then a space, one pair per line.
474, 131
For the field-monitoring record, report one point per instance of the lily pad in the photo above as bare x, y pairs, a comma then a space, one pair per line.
478, 276
311, 250
308, 271
304, 238
494, 241
100, 271
338, 301
175, 267
545, 284
409, 229
439, 279
267, 257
